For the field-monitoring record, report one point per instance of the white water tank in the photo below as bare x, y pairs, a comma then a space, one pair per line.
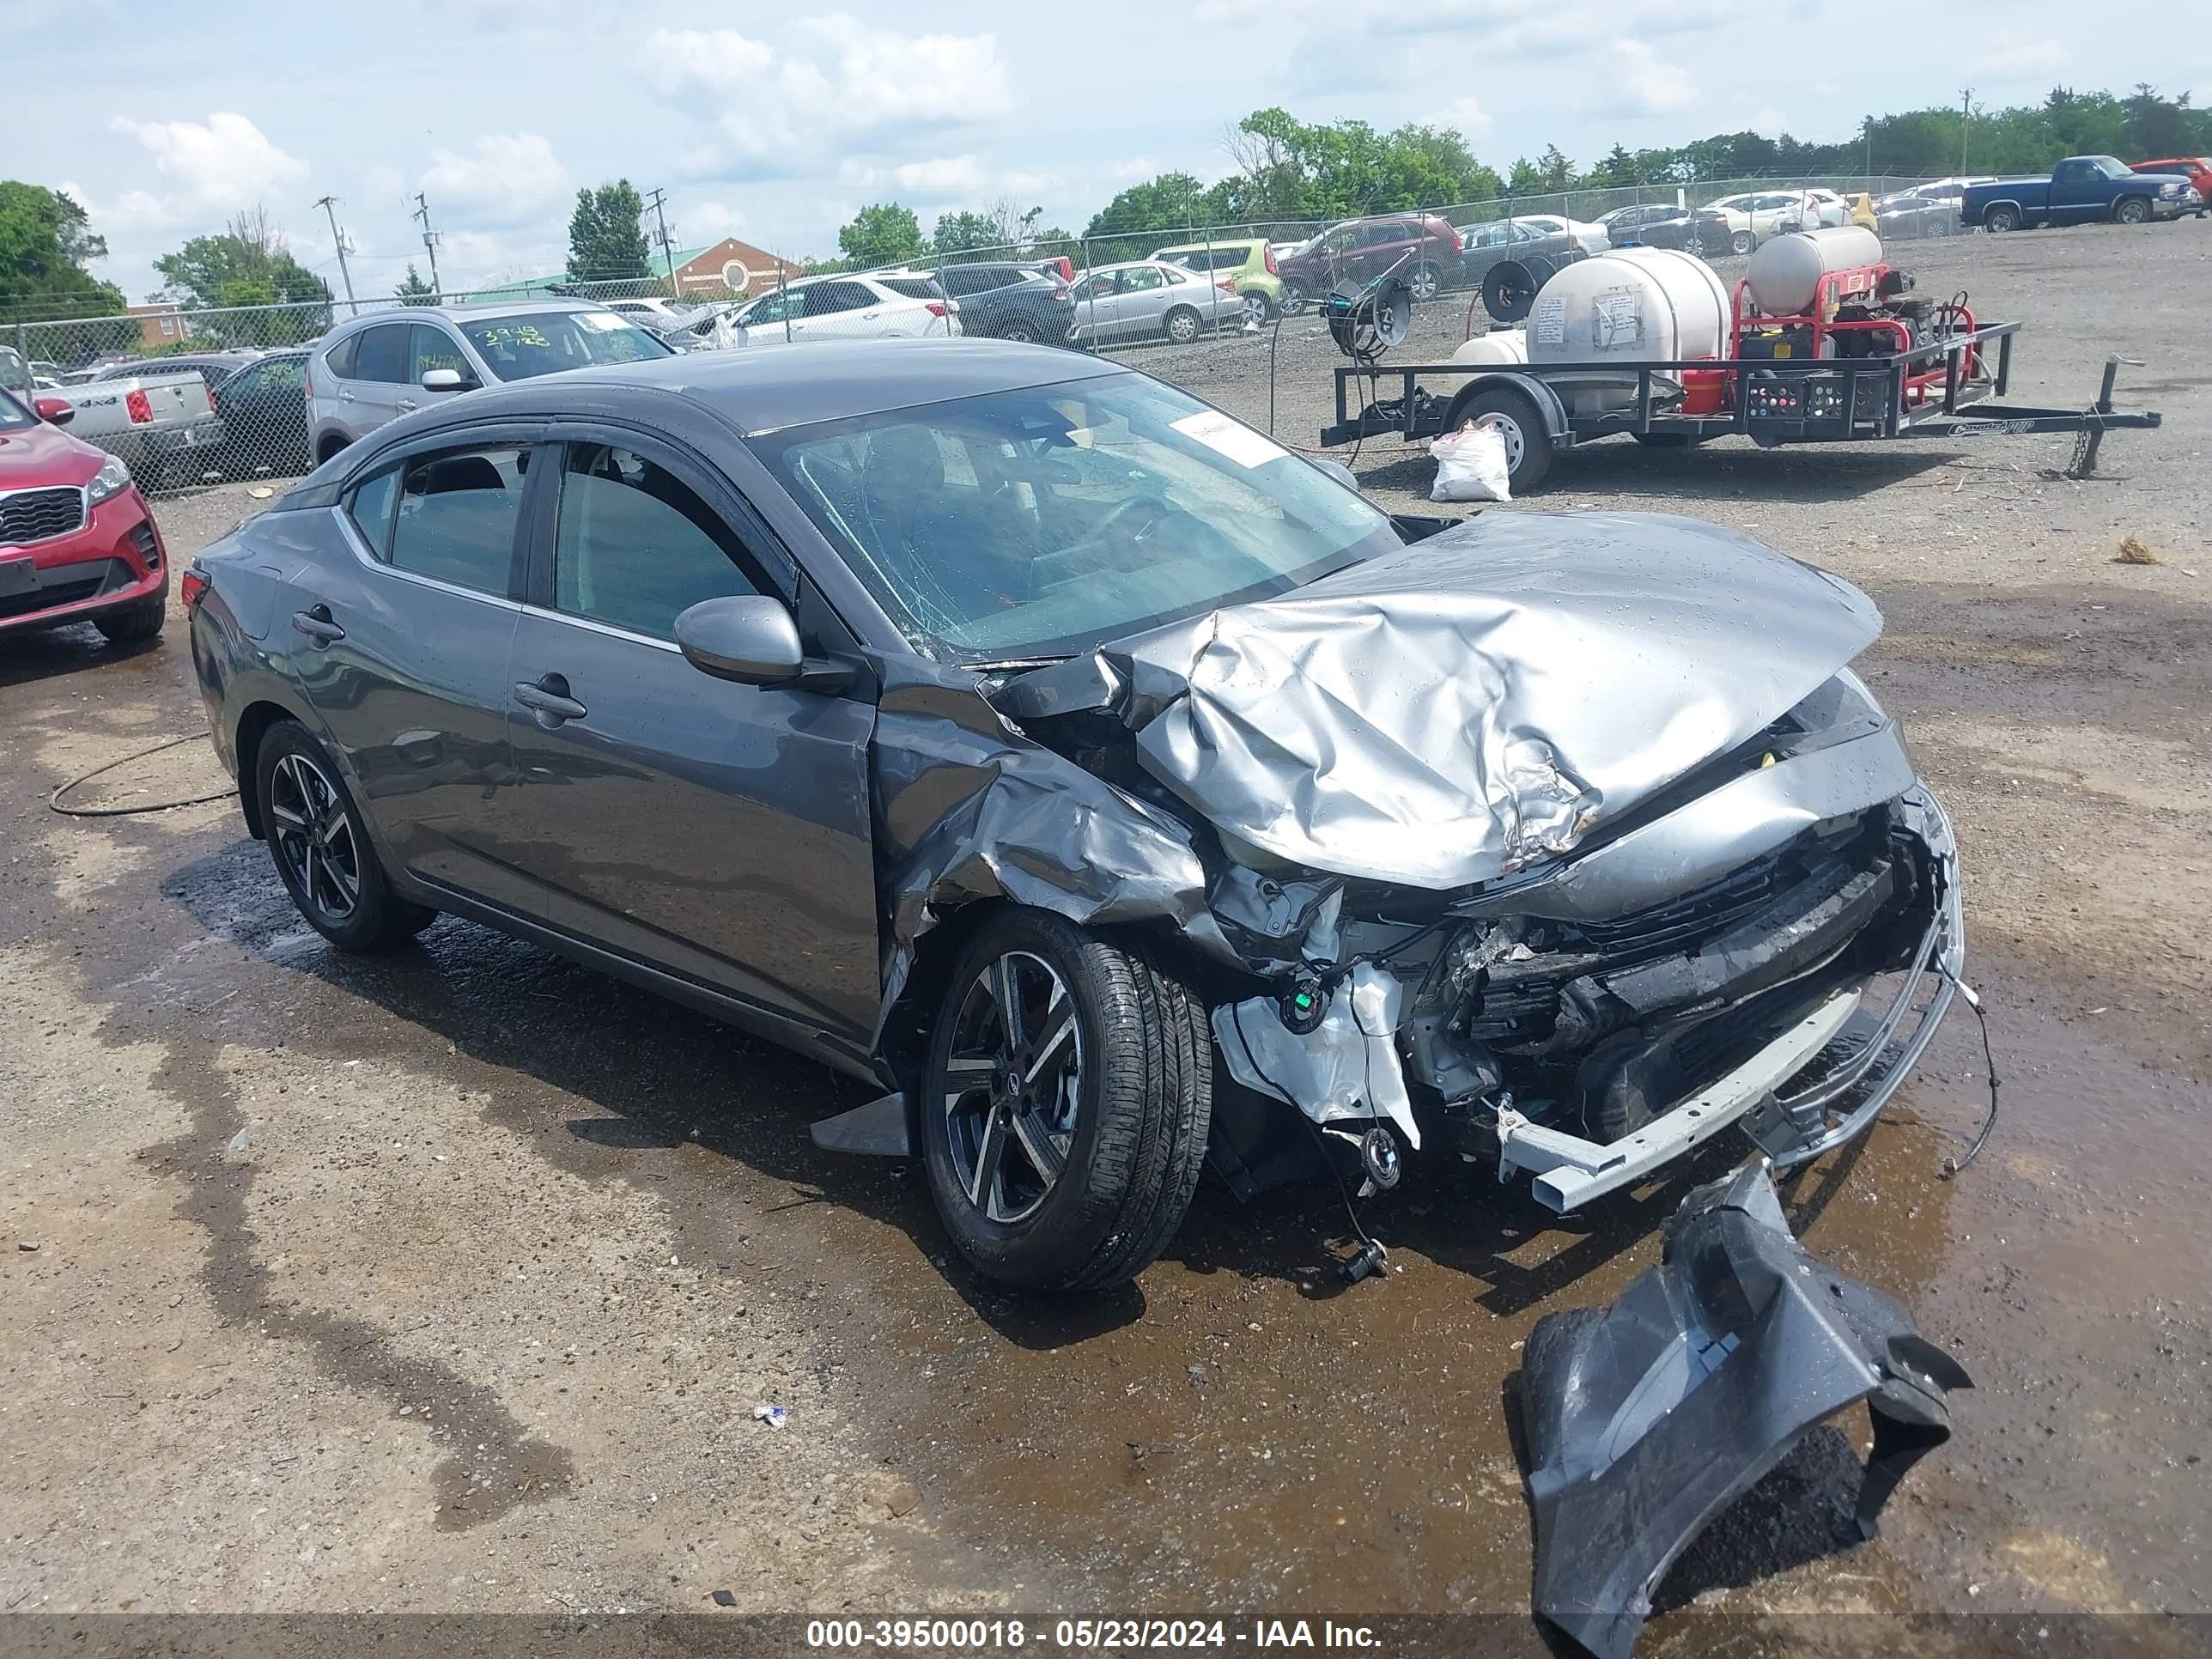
1785, 273
1507, 345
1630, 305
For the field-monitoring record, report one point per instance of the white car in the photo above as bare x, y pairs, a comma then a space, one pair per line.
653, 312
1756, 216
1594, 239
888, 306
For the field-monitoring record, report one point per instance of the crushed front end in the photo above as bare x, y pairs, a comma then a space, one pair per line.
1769, 945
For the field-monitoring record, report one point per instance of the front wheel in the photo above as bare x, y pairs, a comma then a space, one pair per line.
1424, 284
1257, 311
2132, 211
322, 849
1296, 295
1065, 1105
1183, 326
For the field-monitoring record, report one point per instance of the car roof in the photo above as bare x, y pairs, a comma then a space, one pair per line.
462, 314
765, 388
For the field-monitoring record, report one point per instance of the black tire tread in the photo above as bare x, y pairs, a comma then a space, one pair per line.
381, 918
143, 620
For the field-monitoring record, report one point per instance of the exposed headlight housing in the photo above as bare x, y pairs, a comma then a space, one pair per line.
2169, 190
112, 479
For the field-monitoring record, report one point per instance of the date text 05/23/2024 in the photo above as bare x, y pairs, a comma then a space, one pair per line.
970, 1634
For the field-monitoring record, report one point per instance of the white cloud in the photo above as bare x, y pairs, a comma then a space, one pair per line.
953, 173
1136, 169
1464, 115
1769, 122
2025, 60
707, 221
213, 168
1646, 84
843, 77
508, 180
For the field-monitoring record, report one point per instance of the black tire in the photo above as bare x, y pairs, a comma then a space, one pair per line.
1296, 295
1524, 473
1132, 1122
2131, 210
1425, 284
2001, 218
1742, 241
329, 446
1182, 325
306, 850
1020, 334
141, 620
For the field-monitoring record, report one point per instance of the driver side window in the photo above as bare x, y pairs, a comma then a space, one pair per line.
635, 546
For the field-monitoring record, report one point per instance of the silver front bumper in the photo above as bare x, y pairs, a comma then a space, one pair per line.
1790, 1128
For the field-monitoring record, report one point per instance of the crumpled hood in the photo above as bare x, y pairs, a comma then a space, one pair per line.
1479, 702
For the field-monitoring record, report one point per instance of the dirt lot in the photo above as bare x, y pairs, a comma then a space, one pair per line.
449, 1281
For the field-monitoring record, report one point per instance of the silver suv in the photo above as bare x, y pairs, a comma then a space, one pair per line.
376, 369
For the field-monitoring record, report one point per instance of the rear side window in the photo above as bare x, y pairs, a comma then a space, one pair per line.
339, 358
382, 355
370, 509
827, 299
636, 547
457, 517
915, 288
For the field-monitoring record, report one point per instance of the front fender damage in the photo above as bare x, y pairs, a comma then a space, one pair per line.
1645, 1419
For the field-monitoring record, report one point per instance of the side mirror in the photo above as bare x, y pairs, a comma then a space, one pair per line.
748, 639
449, 379
54, 411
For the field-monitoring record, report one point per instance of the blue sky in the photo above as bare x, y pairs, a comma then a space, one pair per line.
776, 123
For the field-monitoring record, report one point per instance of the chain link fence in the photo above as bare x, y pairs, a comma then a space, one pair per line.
191, 396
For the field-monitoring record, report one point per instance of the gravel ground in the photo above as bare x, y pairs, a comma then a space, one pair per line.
449, 1281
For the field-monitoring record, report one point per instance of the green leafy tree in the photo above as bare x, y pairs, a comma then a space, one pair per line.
1170, 202
961, 232
46, 242
246, 265
883, 233
606, 237
413, 290
2153, 126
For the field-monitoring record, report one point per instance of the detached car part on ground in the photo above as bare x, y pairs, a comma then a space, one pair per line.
1110, 787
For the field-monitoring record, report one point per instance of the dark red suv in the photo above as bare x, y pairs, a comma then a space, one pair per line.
76, 542
1358, 250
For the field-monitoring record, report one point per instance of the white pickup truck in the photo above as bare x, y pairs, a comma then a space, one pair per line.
157, 418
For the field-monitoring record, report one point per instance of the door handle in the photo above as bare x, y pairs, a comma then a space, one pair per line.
548, 696
316, 625
345, 394
407, 405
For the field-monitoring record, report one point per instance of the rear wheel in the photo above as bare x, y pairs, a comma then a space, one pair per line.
1296, 293
322, 849
1183, 325
329, 446
141, 620
1020, 334
1528, 443
2132, 211
1257, 311
2001, 218
1065, 1105
1742, 241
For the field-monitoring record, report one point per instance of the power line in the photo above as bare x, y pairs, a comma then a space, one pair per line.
667, 246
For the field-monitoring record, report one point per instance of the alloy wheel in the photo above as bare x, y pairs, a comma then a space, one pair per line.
1255, 309
1013, 1081
314, 837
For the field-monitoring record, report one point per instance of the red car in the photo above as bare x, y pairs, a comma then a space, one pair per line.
76, 541
1420, 247
2197, 169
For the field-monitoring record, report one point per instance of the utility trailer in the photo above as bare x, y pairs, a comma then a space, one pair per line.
1943, 388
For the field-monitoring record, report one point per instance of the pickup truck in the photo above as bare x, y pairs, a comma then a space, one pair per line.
2081, 189
156, 418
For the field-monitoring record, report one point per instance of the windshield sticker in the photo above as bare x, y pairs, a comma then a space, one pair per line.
1235, 439
605, 321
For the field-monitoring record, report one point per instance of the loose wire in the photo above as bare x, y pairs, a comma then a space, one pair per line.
1955, 1166
54, 800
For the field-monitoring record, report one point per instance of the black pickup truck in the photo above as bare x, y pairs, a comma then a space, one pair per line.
2081, 189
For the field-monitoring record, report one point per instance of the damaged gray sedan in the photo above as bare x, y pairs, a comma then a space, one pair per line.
1112, 789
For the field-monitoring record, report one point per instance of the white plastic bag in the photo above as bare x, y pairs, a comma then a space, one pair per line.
1471, 463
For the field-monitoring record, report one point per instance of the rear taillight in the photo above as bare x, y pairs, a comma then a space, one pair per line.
1268, 254
308, 382
192, 587
140, 409
1227, 285
936, 308
1458, 246
208, 393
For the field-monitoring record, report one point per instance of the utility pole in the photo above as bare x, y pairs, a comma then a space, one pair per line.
1966, 120
339, 237
667, 247
429, 242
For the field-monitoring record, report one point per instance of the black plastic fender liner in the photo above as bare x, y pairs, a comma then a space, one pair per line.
1645, 1420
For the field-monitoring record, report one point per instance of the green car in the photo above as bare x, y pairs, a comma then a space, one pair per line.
1248, 264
